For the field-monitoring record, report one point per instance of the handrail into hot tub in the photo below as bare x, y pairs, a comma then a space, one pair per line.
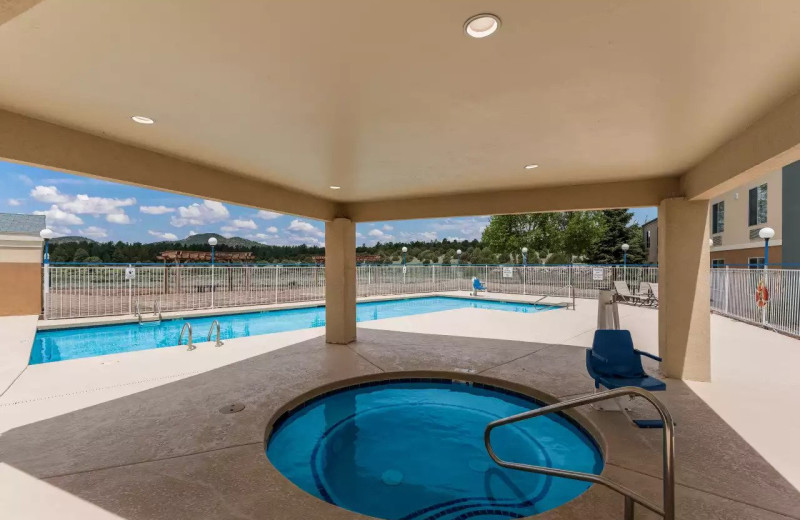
668, 451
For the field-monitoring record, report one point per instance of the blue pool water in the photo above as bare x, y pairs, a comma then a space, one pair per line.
413, 450
62, 344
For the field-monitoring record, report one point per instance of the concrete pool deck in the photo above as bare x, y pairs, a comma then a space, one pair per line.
139, 434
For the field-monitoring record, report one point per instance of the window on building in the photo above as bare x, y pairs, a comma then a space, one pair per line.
755, 262
718, 217
757, 213
647, 239
718, 262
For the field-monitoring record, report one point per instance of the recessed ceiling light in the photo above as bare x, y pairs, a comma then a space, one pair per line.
336, 187
531, 166
482, 25
142, 120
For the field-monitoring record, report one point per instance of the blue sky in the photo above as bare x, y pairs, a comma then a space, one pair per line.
102, 210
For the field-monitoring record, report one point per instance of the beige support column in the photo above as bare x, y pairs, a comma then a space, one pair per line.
684, 319
20, 275
340, 281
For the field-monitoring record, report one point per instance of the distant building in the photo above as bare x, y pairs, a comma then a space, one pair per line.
179, 257
650, 237
20, 263
737, 216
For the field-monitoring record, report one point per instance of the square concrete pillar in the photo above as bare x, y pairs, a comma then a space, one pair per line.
684, 314
20, 275
340, 281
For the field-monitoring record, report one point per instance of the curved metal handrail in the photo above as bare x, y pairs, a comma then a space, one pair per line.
157, 309
190, 345
219, 342
668, 510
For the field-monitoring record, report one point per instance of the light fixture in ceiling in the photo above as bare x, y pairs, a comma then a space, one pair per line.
336, 187
482, 25
531, 166
143, 120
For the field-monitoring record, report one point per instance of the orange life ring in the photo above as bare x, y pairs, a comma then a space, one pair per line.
762, 295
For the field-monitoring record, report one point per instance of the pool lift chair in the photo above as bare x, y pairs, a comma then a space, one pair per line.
614, 363
477, 286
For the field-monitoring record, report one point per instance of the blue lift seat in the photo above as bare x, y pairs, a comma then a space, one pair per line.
613, 362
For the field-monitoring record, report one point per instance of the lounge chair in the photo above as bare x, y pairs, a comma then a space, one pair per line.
613, 363
646, 290
654, 294
625, 294
477, 286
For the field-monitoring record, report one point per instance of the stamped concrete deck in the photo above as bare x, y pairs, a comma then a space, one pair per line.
162, 450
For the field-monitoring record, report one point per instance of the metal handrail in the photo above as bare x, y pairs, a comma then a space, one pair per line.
571, 291
219, 342
190, 345
157, 309
668, 510
138, 312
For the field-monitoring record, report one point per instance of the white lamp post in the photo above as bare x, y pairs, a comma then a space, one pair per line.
625, 248
458, 253
524, 256
766, 233
404, 250
46, 235
212, 242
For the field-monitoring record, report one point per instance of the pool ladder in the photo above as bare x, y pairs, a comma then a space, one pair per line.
667, 511
190, 345
157, 309
219, 342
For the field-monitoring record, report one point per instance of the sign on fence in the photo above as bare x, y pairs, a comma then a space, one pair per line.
130, 273
597, 274
508, 272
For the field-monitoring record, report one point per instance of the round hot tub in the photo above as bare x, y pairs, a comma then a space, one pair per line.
413, 450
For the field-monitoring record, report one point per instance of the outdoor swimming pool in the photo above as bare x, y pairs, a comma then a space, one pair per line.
63, 344
414, 450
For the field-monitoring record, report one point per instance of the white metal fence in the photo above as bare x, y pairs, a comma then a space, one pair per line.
85, 291
734, 294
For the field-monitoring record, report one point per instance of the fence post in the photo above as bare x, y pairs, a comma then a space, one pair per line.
46, 288
727, 287
524, 278
764, 308
130, 295
433, 277
276, 282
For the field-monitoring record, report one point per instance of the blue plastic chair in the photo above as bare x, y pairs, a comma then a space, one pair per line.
477, 285
613, 362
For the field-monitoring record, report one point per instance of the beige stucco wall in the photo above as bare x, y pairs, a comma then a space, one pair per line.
20, 275
737, 231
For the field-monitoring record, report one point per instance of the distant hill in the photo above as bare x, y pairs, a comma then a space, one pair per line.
67, 240
201, 239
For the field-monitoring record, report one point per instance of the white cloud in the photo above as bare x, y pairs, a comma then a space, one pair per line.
25, 179
263, 236
470, 227
272, 229
118, 218
359, 235
156, 210
93, 232
60, 231
429, 235
380, 235
84, 204
267, 215
243, 224
14, 202
200, 214
192, 233
162, 236
49, 194
56, 216
305, 228
387, 227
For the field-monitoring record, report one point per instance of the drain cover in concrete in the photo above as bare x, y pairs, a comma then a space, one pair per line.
232, 408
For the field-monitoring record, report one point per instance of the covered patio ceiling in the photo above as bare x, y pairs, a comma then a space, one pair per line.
269, 103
